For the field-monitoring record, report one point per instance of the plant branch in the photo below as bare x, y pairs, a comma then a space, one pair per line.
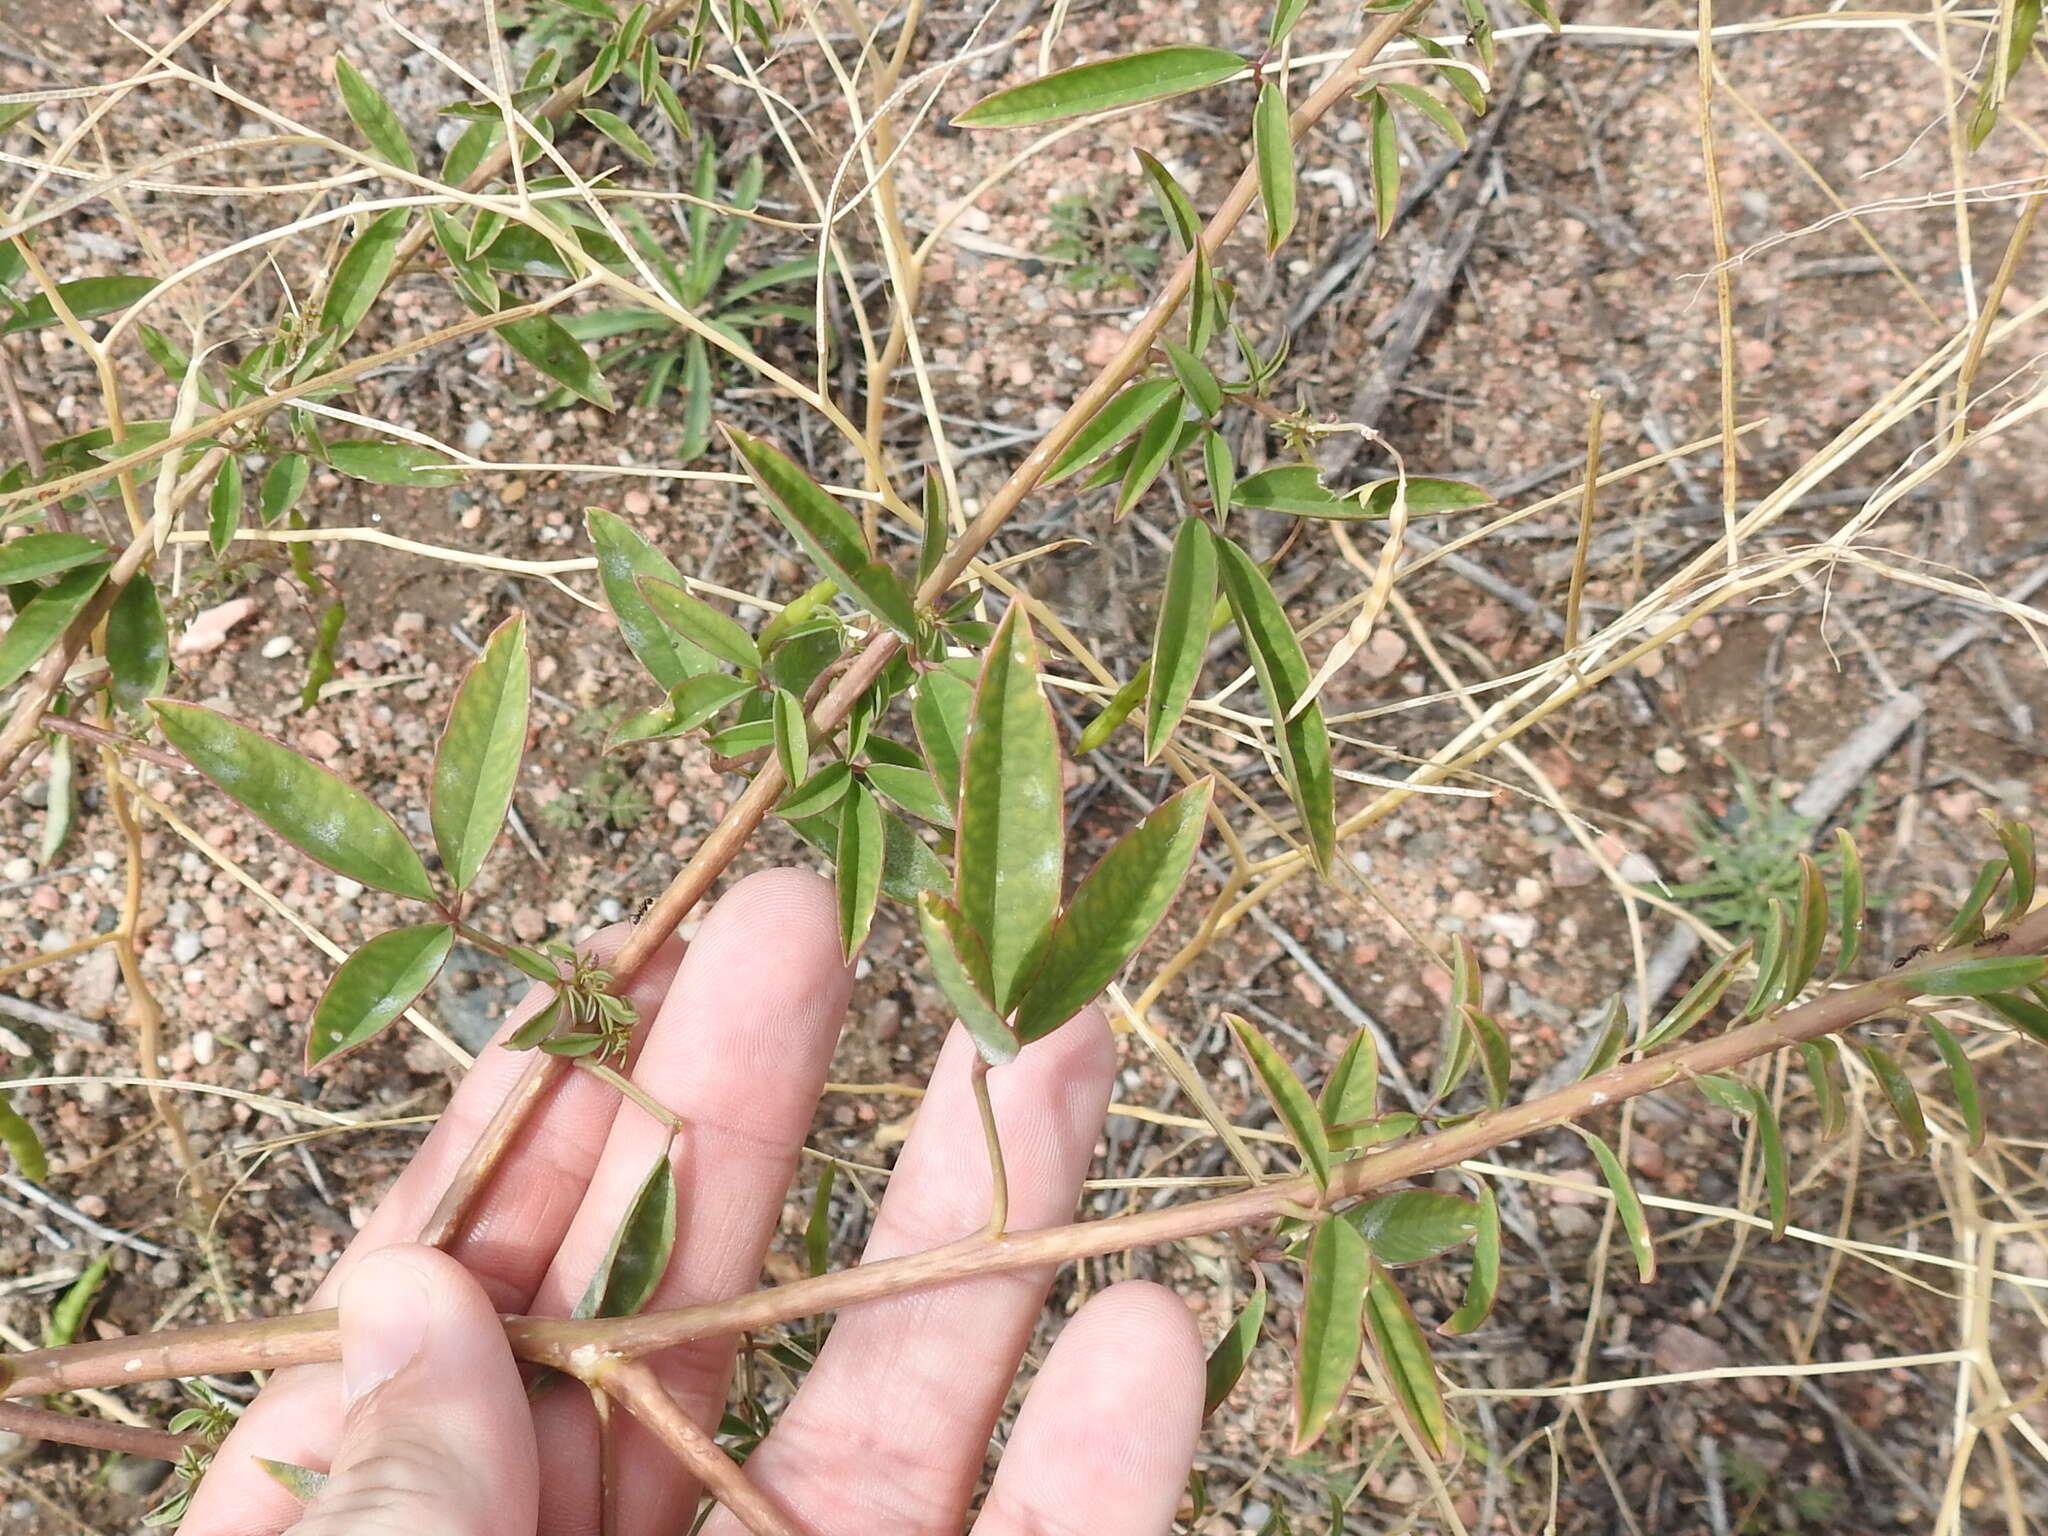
634, 1384
35, 1423
570, 1345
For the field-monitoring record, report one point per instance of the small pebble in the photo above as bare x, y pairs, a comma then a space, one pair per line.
276, 646
185, 946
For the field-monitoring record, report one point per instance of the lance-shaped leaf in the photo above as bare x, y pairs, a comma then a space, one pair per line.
283, 483
1849, 942
1770, 1147
818, 1230
374, 986
1402, 1350
361, 273
819, 793
1011, 844
1103, 86
2024, 1013
700, 623
2017, 838
1824, 1069
1899, 1093
914, 789
1197, 381
1485, 1282
550, 347
1490, 1042
1234, 1350
537, 1028
43, 620
1273, 148
36, 555
859, 869
373, 116
943, 704
1351, 1094
1809, 928
1612, 1039
308, 806
68, 1315
1357, 1135
792, 736
382, 463
827, 531
960, 967
87, 298
1150, 455
1115, 908
638, 1256
1411, 1225
1626, 1204
476, 766
1457, 1045
22, 1143
1173, 202
624, 559
1441, 117
620, 132
1121, 706
1770, 961
1386, 161
302, 1483
1977, 976
1221, 471
1283, 673
1332, 1326
1297, 1111
1962, 1082
1180, 638
1968, 925
1699, 999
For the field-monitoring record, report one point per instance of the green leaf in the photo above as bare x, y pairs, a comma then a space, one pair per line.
373, 116
1699, 999
87, 298
2023, 1013
1221, 471
302, 1483
1103, 86
632, 1267
1850, 942
36, 555
818, 1230
1359, 1135
624, 558
1298, 489
828, 533
1234, 1350
1173, 202
305, 804
138, 644
1976, 976
1613, 1040
914, 789
1153, 451
1962, 1082
476, 766
22, 1143
362, 272
1121, 706
619, 131
1823, 1068
792, 736
1114, 910
859, 871
383, 463
1495, 1062
2017, 838
940, 710
1332, 1326
1968, 925
537, 1028
1810, 924
1273, 147
1898, 1092
546, 343
1283, 673
1411, 1225
1485, 1282
960, 967
1626, 1204
374, 986
817, 794
1290, 1100
1727, 1092
1352, 1092
1770, 961
1399, 1344
283, 483
1012, 830
224, 506
43, 620
1441, 117
1386, 162
700, 623
1458, 1046
1111, 425
1285, 15
68, 1315
1771, 1152
1196, 380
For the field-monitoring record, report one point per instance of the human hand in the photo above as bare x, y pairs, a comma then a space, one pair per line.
426, 1424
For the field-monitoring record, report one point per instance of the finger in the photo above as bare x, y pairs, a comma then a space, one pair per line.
437, 1436
518, 1224
1080, 1459
740, 1055
890, 1429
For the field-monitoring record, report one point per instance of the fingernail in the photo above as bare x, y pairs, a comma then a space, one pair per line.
384, 1313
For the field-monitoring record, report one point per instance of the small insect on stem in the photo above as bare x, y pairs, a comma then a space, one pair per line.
1915, 953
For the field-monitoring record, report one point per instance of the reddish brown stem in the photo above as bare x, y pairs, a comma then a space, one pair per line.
572, 1345
637, 1387
95, 1434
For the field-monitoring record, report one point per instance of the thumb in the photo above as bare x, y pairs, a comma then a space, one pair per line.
438, 1436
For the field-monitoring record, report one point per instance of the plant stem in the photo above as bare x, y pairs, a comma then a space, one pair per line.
570, 1345
634, 1384
629, 1089
34, 1423
998, 1180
